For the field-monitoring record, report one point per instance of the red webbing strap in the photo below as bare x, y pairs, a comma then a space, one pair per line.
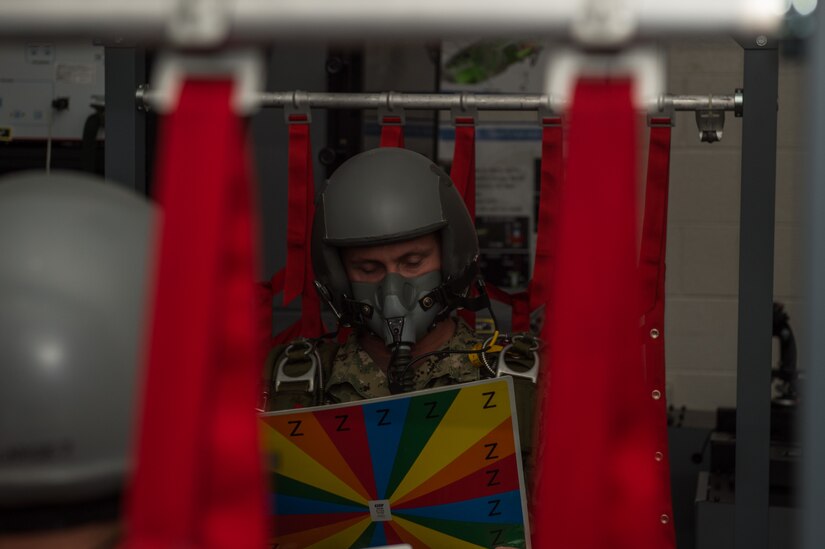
463, 174
652, 276
299, 277
300, 198
520, 312
551, 180
594, 487
463, 171
310, 323
392, 132
654, 229
198, 479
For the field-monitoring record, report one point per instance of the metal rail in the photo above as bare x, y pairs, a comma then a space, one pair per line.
392, 101
248, 21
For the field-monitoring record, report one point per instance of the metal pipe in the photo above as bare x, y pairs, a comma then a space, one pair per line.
246, 21
447, 101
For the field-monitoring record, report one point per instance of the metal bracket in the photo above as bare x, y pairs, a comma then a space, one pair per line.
663, 115
140, 98
466, 112
738, 102
245, 67
199, 23
645, 65
309, 376
547, 116
710, 124
502, 368
661, 120
389, 114
297, 111
604, 23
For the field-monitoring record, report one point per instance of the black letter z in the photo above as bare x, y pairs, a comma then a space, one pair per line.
296, 425
492, 446
343, 418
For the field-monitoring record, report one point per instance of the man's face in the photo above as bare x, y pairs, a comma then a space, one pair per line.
409, 258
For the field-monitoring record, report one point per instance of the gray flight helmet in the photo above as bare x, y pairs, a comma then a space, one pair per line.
73, 283
383, 196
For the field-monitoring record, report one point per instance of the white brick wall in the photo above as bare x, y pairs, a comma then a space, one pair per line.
703, 228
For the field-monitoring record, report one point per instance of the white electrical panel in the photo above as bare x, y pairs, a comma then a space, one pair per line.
33, 75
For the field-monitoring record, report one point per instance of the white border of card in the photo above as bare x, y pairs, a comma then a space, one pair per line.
457, 387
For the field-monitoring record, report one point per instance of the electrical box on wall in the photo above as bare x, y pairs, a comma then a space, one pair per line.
48, 89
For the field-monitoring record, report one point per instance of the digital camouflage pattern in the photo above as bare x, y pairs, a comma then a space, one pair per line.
350, 374
356, 376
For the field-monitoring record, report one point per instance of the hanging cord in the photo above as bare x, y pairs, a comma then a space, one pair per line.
49, 144
58, 104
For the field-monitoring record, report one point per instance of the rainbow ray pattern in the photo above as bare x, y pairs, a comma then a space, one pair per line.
444, 461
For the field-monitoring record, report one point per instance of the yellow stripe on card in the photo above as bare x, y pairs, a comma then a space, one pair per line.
476, 411
298, 465
433, 538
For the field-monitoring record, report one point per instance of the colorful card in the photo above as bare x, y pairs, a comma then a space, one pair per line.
434, 468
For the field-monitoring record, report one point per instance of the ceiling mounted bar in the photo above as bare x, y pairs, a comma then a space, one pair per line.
265, 21
448, 101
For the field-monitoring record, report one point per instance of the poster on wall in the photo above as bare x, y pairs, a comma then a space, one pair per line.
47, 90
493, 66
508, 148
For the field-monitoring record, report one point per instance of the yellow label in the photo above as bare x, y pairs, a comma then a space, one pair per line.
5, 133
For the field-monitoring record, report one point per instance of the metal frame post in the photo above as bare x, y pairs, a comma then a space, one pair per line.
756, 247
813, 479
125, 124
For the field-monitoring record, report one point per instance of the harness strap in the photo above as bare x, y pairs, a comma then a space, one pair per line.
392, 131
551, 181
300, 197
296, 361
198, 478
595, 445
652, 307
463, 174
298, 275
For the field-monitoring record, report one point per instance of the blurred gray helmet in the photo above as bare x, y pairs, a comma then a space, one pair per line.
72, 290
389, 195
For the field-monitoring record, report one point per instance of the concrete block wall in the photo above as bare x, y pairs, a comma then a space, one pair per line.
703, 227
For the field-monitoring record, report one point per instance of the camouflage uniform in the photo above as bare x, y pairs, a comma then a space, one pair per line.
350, 374
355, 375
